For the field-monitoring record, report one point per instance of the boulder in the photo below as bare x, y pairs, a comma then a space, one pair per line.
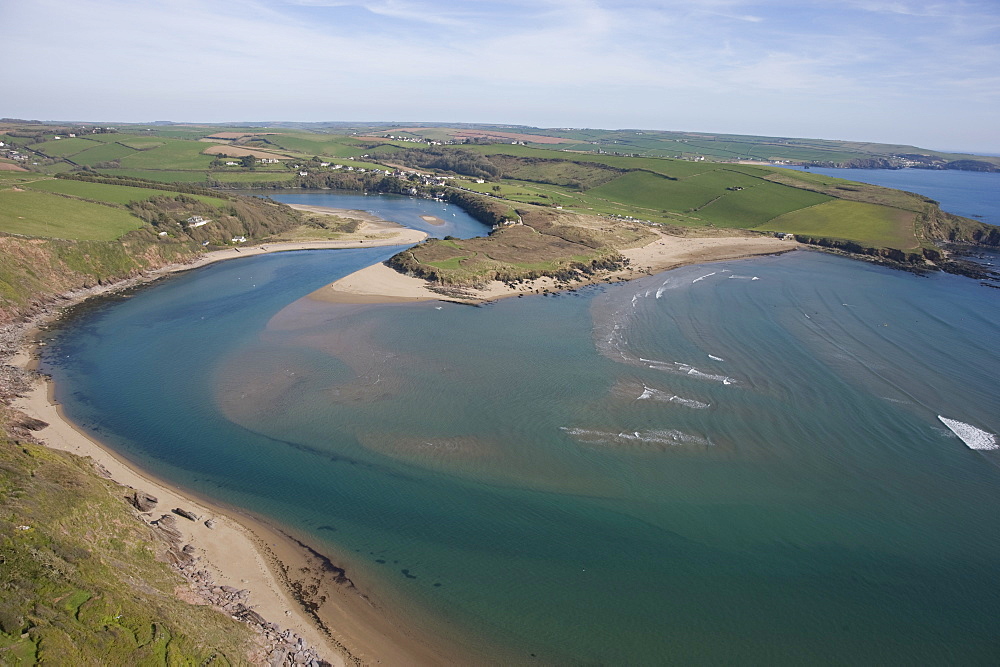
141, 501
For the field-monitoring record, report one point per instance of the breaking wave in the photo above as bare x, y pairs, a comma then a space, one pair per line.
650, 394
652, 437
610, 340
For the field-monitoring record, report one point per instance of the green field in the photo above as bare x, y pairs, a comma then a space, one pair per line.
112, 194
32, 213
140, 143
318, 144
252, 176
879, 226
161, 176
102, 153
174, 154
652, 191
63, 147
758, 204
671, 168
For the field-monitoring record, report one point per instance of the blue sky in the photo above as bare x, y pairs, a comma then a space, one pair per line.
907, 71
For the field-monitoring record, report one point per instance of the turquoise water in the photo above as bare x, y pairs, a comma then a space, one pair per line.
404, 210
736, 462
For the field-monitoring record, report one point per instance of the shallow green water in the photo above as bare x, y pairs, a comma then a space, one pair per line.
738, 462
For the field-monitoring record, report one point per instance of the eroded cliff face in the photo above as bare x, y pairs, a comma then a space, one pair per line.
36, 272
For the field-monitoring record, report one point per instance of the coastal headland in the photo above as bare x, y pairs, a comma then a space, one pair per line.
380, 283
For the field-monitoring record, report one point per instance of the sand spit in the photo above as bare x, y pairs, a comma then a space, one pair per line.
381, 284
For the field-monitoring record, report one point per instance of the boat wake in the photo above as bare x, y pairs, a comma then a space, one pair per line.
973, 437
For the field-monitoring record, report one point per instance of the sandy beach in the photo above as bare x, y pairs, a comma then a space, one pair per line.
381, 284
235, 555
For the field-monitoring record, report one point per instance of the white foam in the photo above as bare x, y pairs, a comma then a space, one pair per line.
707, 275
670, 437
649, 393
973, 437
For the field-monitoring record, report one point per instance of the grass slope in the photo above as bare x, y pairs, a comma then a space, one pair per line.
32, 213
879, 226
64, 147
653, 191
112, 194
102, 153
757, 204
161, 176
81, 577
173, 154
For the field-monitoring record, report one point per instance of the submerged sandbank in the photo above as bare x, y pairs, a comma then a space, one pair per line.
290, 583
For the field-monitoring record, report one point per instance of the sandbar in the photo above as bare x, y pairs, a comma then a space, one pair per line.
381, 284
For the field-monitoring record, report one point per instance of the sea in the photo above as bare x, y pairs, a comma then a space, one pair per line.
779, 460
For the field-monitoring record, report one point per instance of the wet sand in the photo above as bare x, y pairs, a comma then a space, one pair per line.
381, 284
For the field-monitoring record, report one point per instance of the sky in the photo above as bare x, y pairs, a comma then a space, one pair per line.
916, 72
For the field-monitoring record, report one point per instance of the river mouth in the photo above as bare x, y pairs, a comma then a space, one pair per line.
692, 466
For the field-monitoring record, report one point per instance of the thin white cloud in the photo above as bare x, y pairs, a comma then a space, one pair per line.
662, 63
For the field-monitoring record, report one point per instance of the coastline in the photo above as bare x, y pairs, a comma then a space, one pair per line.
239, 550
290, 584
382, 284
234, 553
283, 574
